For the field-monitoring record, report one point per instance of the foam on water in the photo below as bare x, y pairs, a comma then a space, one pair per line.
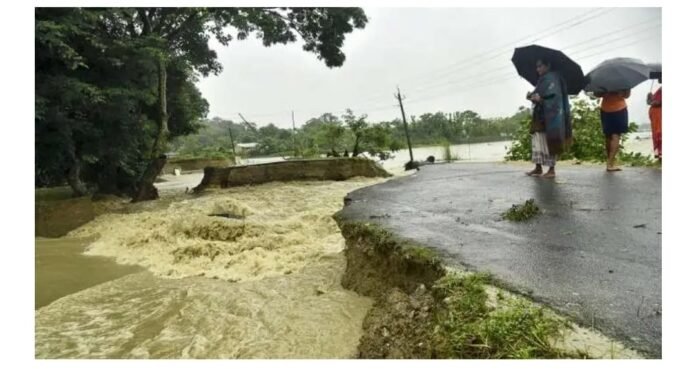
277, 242
302, 315
269, 230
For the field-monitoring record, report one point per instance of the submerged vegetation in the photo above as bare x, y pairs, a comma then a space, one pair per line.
518, 213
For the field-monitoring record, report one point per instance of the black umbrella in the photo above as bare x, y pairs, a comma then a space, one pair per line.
655, 70
525, 59
617, 74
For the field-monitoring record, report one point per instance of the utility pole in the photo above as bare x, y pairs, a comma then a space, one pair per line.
403, 117
251, 128
234, 152
294, 142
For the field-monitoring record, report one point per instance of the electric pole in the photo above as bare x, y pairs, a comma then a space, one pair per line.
403, 117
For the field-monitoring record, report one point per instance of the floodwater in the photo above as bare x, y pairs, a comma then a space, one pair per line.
248, 272
640, 142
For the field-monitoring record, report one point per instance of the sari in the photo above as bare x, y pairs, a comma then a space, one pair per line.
556, 112
655, 114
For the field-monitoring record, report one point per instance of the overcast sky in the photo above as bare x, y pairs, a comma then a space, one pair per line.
443, 59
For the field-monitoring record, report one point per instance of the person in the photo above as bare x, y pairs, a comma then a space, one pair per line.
614, 116
551, 129
655, 114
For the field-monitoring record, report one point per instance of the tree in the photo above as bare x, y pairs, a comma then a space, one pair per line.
378, 141
126, 76
357, 126
327, 132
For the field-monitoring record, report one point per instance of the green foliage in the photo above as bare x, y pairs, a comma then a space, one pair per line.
421, 254
521, 148
518, 213
589, 143
467, 327
588, 138
638, 160
520, 331
96, 69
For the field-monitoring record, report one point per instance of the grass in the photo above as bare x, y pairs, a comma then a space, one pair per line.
421, 254
467, 327
519, 213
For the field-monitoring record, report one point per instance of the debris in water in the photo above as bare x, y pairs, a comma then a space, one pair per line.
522, 212
227, 215
639, 225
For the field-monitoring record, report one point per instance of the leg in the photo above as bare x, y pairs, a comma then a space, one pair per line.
536, 171
550, 173
551, 162
614, 142
536, 158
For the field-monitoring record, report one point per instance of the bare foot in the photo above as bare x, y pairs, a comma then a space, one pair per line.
613, 169
549, 175
534, 173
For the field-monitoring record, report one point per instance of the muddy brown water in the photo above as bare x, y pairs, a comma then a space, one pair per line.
168, 280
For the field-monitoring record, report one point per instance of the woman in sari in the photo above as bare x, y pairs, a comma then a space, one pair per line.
551, 129
655, 113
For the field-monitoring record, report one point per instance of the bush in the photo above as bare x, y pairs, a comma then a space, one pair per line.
588, 138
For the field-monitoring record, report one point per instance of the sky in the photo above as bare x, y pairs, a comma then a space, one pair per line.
442, 59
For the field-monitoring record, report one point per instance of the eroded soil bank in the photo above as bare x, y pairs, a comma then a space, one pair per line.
425, 309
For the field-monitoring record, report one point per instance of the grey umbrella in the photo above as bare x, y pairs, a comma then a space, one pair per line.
617, 74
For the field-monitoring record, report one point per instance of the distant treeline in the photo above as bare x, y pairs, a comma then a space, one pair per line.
330, 134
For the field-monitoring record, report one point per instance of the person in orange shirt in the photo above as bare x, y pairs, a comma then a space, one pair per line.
614, 123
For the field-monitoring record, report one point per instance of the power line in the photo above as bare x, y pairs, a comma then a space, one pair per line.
620, 46
614, 40
507, 76
622, 30
476, 80
498, 79
488, 82
536, 36
505, 48
479, 74
434, 84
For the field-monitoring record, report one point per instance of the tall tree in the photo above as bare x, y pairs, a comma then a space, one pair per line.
129, 73
357, 126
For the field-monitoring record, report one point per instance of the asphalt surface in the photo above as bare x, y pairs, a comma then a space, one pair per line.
594, 253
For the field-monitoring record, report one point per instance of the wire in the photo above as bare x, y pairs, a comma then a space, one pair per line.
477, 82
476, 75
500, 50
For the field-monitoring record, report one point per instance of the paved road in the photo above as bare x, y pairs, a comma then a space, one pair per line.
594, 253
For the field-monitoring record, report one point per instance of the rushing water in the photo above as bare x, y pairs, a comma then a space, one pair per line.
247, 272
